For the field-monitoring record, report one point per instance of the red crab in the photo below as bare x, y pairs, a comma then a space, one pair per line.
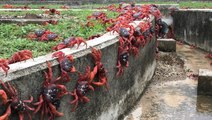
97, 15
20, 56
83, 86
8, 6
52, 92
4, 65
52, 12
180, 42
89, 24
136, 43
43, 35
70, 42
125, 35
101, 71
64, 7
145, 29
123, 59
192, 46
66, 62
11, 100
209, 56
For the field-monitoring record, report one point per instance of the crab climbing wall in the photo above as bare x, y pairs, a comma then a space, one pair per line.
123, 90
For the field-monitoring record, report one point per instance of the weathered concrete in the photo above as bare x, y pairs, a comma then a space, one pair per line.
205, 82
167, 45
171, 95
28, 76
194, 27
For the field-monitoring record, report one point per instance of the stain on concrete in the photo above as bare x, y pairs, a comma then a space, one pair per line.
173, 100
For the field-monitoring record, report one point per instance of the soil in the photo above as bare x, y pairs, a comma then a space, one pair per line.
172, 94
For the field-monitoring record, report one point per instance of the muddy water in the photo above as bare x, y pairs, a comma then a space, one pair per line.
172, 95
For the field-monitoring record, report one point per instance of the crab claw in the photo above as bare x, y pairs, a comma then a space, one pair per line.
59, 46
97, 55
3, 96
78, 41
4, 65
75, 101
102, 82
63, 90
54, 110
93, 74
59, 55
70, 57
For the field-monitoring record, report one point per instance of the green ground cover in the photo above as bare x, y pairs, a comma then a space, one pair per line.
13, 36
183, 4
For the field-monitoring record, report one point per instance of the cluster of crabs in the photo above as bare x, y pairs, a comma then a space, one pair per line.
131, 39
42, 35
53, 89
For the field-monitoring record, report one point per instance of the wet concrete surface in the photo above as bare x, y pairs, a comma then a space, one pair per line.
172, 94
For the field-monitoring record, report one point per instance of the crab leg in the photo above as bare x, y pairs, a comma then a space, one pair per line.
54, 110
3, 96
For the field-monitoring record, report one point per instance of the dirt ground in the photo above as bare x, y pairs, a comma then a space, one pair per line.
172, 94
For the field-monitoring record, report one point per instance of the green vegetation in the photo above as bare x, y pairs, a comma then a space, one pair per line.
183, 4
13, 36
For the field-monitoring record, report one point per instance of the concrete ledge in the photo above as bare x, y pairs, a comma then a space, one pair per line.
205, 82
104, 105
167, 45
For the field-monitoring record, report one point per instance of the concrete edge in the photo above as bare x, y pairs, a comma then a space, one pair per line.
27, 67
202, 10
205, 72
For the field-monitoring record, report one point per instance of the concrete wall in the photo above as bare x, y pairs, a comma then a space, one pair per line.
194, 27
123, 92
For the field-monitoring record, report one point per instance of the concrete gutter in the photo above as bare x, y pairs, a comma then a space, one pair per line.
194, 26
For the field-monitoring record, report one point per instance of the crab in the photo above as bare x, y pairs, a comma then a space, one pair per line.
136, 43
64, 7
83, 86
52, 12
66, 62
20, 56
70, 42
4, 65
101, 71
126, 35
10, 99
123, 59
43, 35
97, 15
8, 6
52, 91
